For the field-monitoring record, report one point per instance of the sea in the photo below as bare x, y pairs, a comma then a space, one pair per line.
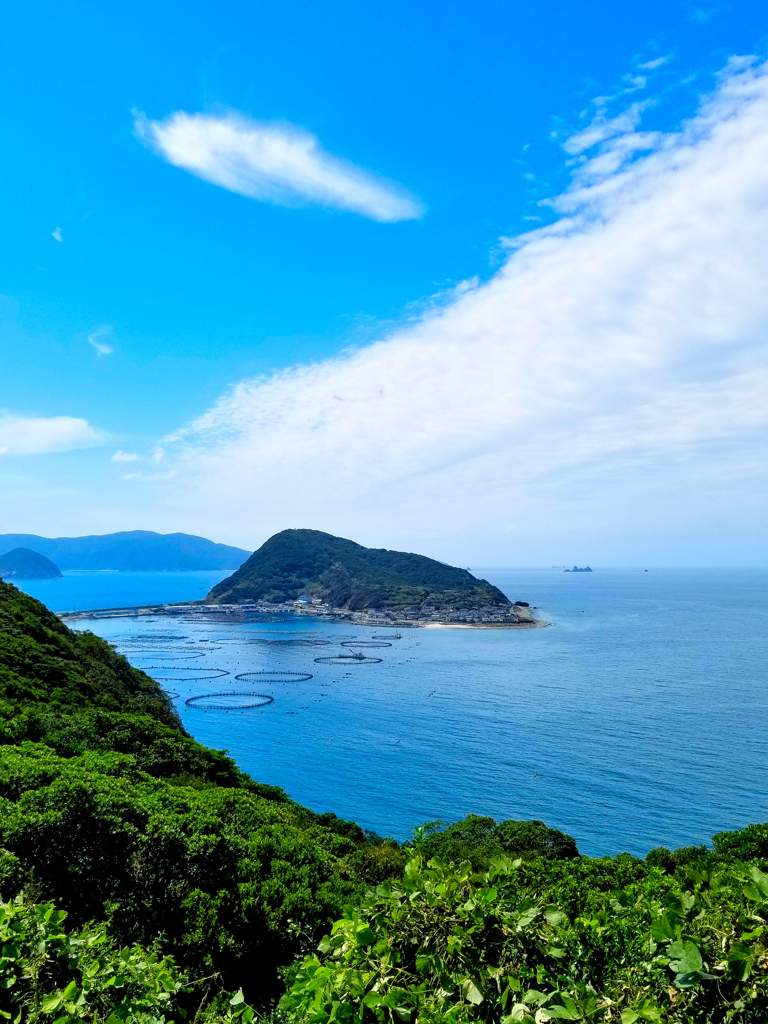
638, 718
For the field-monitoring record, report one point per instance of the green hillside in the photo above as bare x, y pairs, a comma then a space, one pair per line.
344, 574
108, 807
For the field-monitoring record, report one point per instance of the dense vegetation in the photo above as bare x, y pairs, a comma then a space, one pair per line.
108, 808
147, 879
294, 563
537, 941
134, 549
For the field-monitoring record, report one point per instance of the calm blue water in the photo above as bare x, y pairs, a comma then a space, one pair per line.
89, 589
639, 718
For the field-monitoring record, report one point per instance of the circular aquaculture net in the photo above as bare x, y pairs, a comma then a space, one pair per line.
347, 659
171, 694
230, 701
217, 673
150, 638
267, 674
174, 657
364, 643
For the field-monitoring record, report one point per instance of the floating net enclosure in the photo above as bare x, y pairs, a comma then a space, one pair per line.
300, 641
267, 674
230, 701
348, 659
171, 694
364, 643
151, 638
172, 657
216, 673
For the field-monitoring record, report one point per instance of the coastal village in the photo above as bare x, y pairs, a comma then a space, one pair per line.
517, 614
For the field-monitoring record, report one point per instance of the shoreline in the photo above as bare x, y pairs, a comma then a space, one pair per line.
173, 610
534, 624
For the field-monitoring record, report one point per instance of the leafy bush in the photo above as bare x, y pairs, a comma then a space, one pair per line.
49, 974
479, 839
446, 944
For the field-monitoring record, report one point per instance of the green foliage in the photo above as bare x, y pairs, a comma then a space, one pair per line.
219, 873
293, 563
108, 807
49, 974
479, 840
447, 944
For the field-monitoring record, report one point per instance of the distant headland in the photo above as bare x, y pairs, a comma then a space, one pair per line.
135, 550
23, 564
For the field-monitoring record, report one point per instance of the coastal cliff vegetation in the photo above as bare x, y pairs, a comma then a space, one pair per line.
145, 878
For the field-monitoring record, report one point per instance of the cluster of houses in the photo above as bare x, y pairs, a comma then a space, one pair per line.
517, 613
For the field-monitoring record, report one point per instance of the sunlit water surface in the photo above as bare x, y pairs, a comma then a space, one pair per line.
638, 718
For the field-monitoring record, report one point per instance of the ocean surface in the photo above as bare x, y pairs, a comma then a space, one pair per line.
638, 718
90, 589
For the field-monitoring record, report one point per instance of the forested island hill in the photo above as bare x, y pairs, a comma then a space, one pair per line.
333, 576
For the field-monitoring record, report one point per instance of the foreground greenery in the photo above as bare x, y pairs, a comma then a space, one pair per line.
531, 942
147, 879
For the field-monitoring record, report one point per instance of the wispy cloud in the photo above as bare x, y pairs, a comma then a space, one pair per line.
275, 163
150, 476
615, 370
57, 235
121, 456
37, 435
100, 339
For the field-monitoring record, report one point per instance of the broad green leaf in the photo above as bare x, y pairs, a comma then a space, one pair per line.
687, 957
237, 998
561, 1013
554, 916
662, 929
472, 992
761, 880
51, 1003
629, 1017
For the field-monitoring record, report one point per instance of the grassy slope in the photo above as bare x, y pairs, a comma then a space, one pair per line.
298, 562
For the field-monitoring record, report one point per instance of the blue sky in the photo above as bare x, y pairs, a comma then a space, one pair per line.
454, 120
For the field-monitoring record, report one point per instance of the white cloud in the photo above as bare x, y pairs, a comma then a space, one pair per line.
98, 338
651, 65
612, 376
57, 235
150, 476
37, 435
602, 128
275, 163
121, 456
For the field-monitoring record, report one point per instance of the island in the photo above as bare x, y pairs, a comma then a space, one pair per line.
311, 572
577, 569
23, 564
130, 551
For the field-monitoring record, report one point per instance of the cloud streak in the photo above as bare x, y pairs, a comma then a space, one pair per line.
99, 339
274, 163
614, 369
39, 435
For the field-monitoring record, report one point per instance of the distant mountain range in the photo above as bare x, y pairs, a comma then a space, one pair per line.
135, 550
23, 564
298, 563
